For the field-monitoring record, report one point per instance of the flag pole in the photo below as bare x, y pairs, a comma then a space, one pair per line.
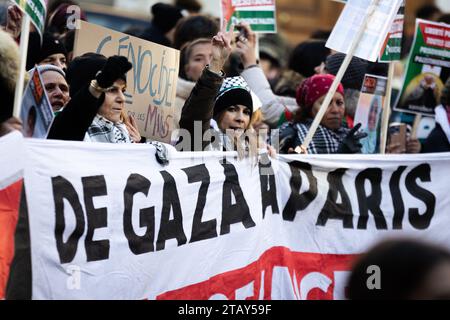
24, 36
386, 109
337, 79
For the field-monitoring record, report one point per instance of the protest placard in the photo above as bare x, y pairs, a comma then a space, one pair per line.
122, 226
152, 82
392, 47
36, 10
427, 70
375, 31
259, 14
36, 111
369, 110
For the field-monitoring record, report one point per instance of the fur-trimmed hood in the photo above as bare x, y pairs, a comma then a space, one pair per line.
9, 73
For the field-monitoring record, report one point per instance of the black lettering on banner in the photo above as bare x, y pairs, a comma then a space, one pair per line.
63, 189
95, 186
170, 229
201, 230
417, 220
397, 199
333, 210
138, 244
296, 200
370, 202
268, 186
233, 213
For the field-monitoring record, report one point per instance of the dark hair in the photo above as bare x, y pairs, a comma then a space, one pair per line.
194, 27
427, 11
444, 18
189, 5
308, 55
320, 34
404, 265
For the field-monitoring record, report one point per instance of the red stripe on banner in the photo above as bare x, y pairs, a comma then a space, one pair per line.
305, 272
9, 209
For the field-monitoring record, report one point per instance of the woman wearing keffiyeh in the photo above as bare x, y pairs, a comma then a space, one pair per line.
96, 111
331, 136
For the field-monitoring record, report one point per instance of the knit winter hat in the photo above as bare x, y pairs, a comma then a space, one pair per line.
312, 88
354, 76
57, 22
37, 53
165, 16
308, 55
47, 67
234, 91
83, 69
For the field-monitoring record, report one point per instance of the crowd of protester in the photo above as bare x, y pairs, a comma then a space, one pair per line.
223, 84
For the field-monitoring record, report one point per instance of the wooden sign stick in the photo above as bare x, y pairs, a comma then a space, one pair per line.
338, 78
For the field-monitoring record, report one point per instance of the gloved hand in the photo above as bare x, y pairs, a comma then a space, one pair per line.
351, 143
114, 68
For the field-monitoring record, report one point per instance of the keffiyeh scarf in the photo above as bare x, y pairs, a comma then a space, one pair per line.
103, 130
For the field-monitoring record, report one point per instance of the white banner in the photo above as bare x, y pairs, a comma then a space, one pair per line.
12, 159
108, 222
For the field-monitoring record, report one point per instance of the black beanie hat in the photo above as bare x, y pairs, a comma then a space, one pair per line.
234, 91
165, 16
83, 69
354, 76
308, 55
37, 53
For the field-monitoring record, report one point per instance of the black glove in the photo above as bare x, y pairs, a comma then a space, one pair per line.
115, 67
351, 143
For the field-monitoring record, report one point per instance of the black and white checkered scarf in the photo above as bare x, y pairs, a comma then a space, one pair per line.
103, 130
325, 141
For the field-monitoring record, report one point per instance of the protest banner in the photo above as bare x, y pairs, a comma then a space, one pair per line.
36, 112
259, 14
151, 84
369, 110
392, 47
12, 164
375, 31
427, 69
122, 226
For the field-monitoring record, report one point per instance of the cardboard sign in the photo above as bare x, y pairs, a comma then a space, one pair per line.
368, 111
151, 83
260, 14
427, 70
392, 48
36, 112
351, 20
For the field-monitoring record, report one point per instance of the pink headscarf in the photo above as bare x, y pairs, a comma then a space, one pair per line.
313, 88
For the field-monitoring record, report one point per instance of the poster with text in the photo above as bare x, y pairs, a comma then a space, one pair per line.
427, 70
151, 83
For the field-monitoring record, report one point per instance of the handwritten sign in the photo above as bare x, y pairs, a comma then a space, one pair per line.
152, 82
